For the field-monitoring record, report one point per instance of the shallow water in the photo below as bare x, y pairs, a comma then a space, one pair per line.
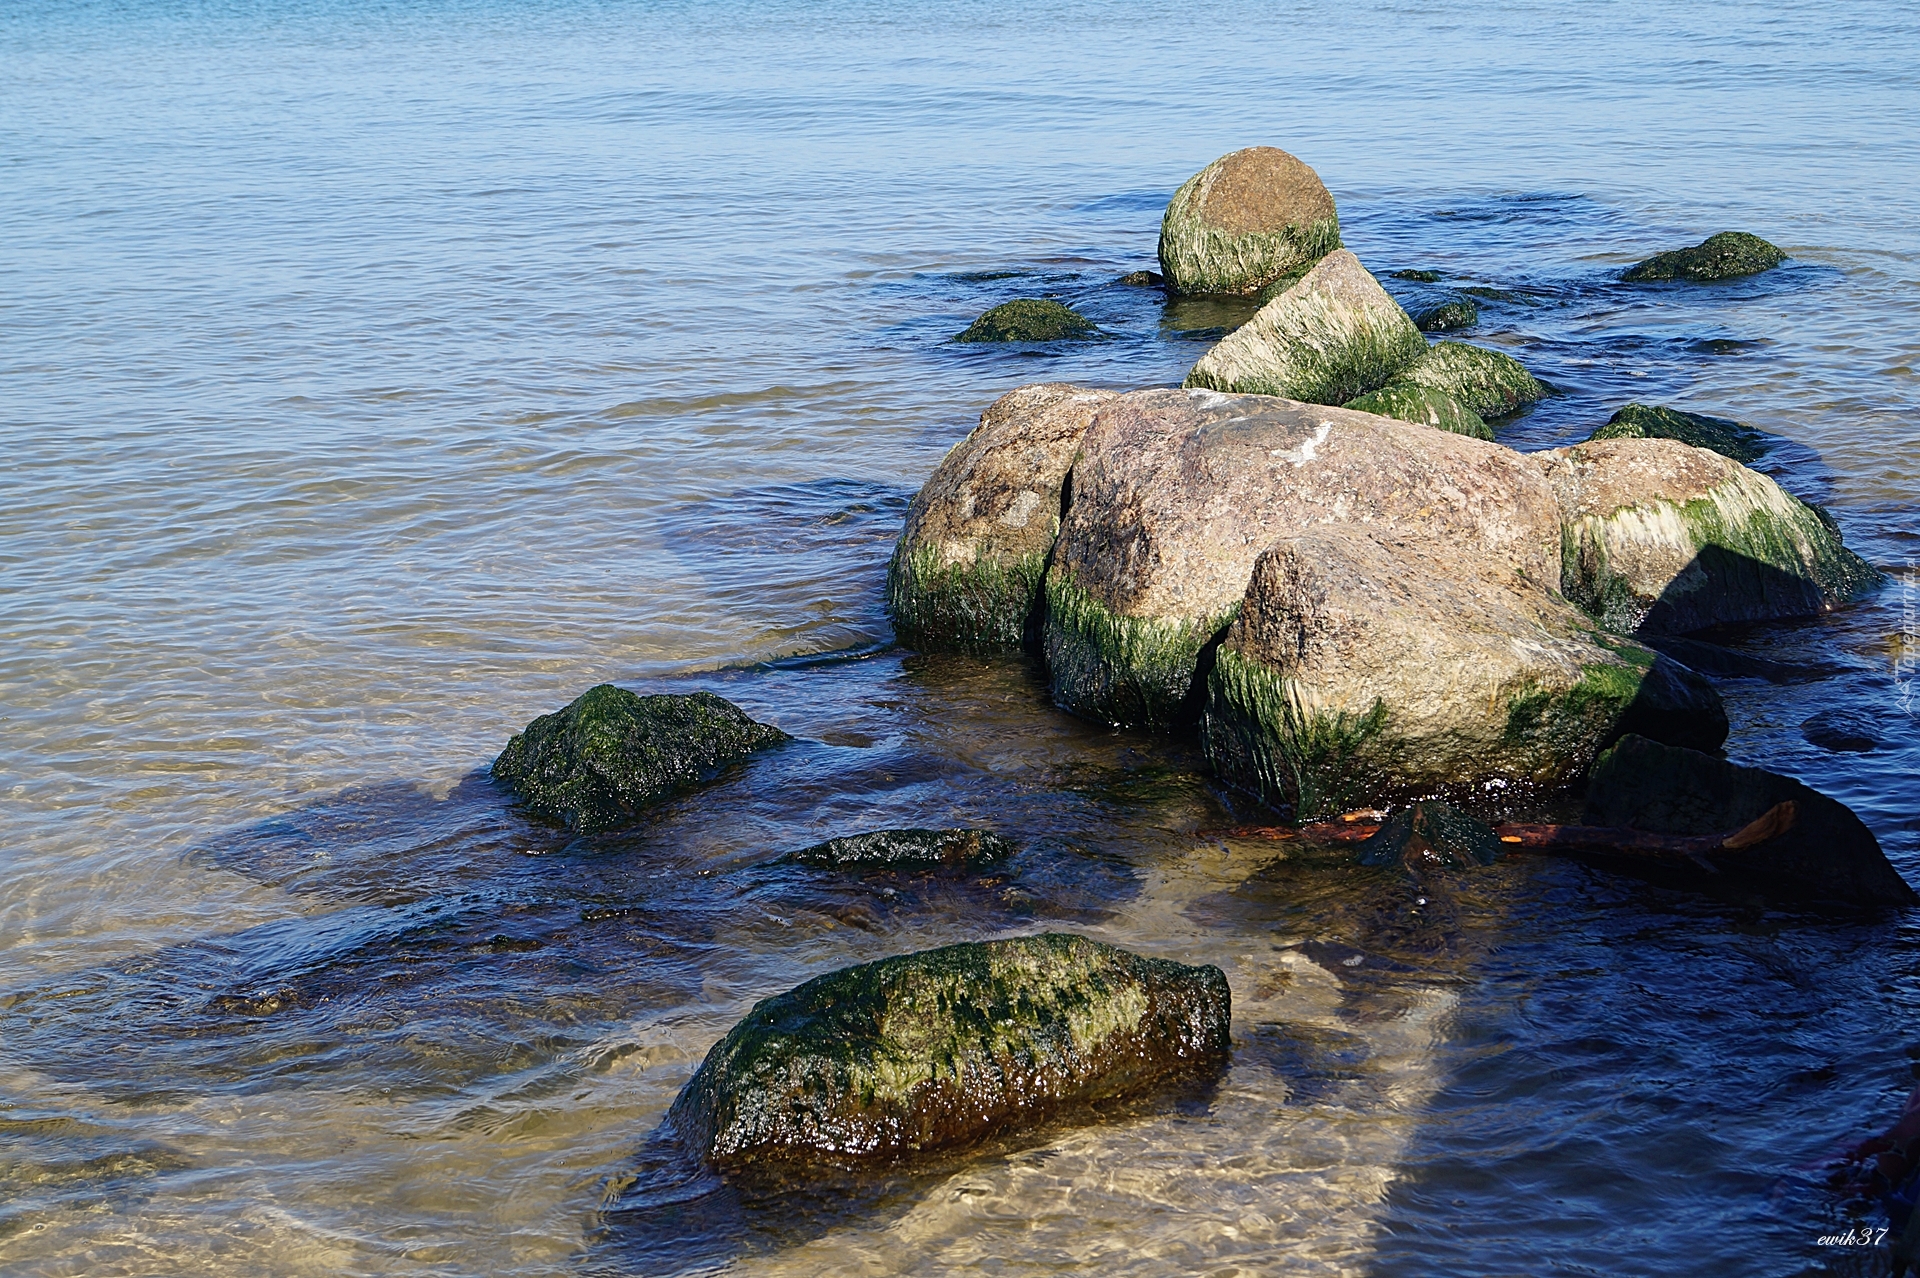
376, 377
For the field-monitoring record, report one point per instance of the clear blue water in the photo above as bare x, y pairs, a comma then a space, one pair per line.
374, 377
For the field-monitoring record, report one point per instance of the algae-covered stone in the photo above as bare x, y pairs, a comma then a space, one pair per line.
1646, 421
1447, 316
1244, 221
1331, 336
1421, 277
1489, 383
908, 849
1827, 855
1143, 279
1665, 538
966, 572
1422, 404
611, 753
1030, 319
1365, 668
1725, 256
1176, 494
1431, 835
945, 1048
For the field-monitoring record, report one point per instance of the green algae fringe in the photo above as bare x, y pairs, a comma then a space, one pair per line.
1030, 319
1423, 406
1131, 672
1324, 356
1488, 382
1258, 737
1197, 257
984, 604
1717, 434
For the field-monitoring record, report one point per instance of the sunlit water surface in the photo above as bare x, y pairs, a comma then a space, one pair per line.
374, 377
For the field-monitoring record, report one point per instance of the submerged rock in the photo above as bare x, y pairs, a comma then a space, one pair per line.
1666, 538
1422, 277
1030, 319
611, 753
966, 572
1425, 405
948, 1047
1331, 336
1725, 256
1448, 316
1144, 279
1646, 421
1244, 221
909, 849
1489, 383
1827, 855
1843, 731
1366, 668
1431, 835
1176, 494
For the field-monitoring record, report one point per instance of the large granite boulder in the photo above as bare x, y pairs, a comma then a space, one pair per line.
967, 569
1244, 221
596, 764
1664, 538
942, 1049
1176, 493
1725, 256
1369, 666
1719, 434
1827, 856
1030, 319
1331, 336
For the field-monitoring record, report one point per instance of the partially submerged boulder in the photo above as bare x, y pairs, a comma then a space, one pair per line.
1331, 336
1367, 668
1488, 382
1842, 731
1446, 316
1725, 256
1177, 493
1422, 404
908, 849
1244, 221
967, 569
945, 1048
596, 764
1030, 319
1826, 856
1721, 435
1666, 538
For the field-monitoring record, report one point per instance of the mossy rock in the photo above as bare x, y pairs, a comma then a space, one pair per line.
1132, 672
908, 849
1425, 405
1244, 221
1431, 834
1725, 256
1646, 421
1448, 316
946, 1048
1143, 279
1419, 277
1333, 335
597, 764
1488, 382
1030, 319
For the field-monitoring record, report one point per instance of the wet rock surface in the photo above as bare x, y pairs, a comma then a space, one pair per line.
1030, 320
1331, 336
944, 1048
1487, 382
910, 848
1446, 316
1718, 434
1244, 221
1424, 405
598, 763
1826, 857
1841, 731
966, 571
1725, 256
1431, 835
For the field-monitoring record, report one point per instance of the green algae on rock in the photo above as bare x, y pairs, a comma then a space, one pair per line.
1447, 316
1030, 319
1646, 421
1422, 277
1363, 671
1143, 279
610, 753
908, 849
1425, 405
948, 1047
1488, 382
966, 572
1826, 856
1661, 537
1244, 221
1331, 336
1725, 256
1176, 493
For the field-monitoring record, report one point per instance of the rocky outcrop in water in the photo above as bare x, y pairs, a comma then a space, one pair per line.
1332, 335
1827, 855
945, 1048
967, 569
1431, 835
1446, 316
597, 764
1367, 667
1177, 493
1425, 405
908, 849
1718, 434
1030, 320
1725, 256
1244, 221
1666, 538
1487, 382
